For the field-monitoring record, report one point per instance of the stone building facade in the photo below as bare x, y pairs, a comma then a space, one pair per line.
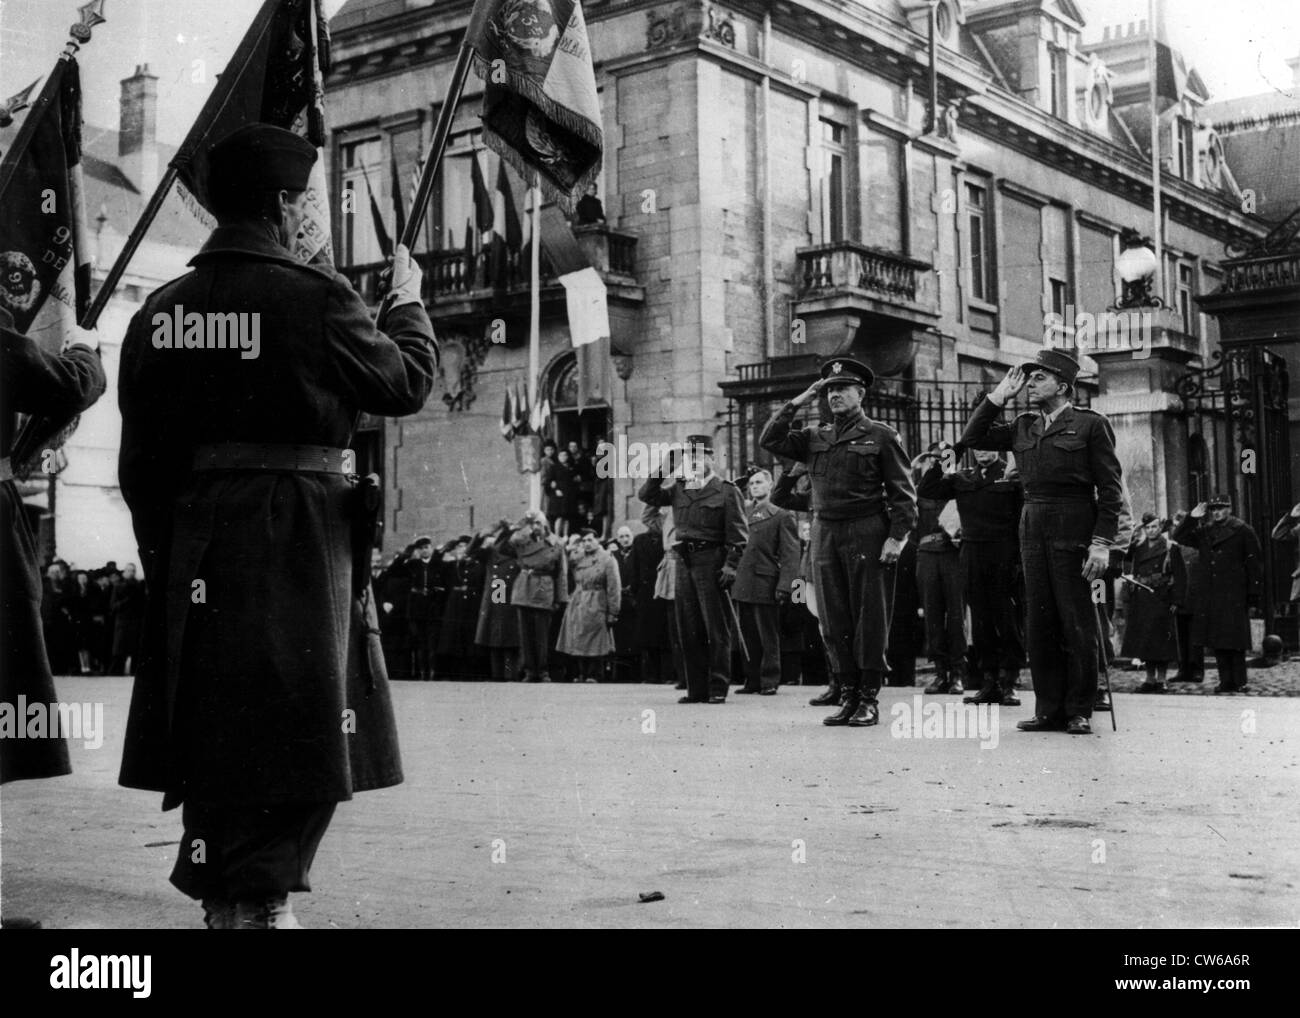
779, 187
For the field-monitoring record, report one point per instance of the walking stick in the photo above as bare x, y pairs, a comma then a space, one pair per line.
1105, 667
735, 615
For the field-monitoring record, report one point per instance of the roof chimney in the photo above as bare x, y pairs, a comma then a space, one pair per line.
137, 134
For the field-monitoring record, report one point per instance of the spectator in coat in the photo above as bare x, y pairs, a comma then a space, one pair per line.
498, 622
538, 591
559, 493
626, 649
650, 638
1232, 572
1150, 633
595, 597
83, 600
765, 576
1186, 592
128, 620
424, 596
940, 582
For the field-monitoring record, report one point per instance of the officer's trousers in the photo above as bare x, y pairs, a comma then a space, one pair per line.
996, 629
534, 638
242, 853
1060, 615
938, 578
702, 623
761, 624
855, 593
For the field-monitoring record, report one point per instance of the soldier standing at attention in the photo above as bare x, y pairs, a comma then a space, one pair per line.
711, 533
422, 572
865, 507
237, 476
1073, 498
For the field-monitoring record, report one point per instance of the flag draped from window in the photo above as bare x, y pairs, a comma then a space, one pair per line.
540, 108
44, 255
275, 77
377, 218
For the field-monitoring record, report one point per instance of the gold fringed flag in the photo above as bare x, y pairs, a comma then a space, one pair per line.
540, 110
44, 254
275, 77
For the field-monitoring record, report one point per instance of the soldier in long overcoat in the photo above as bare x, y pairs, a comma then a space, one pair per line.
251, 706
32, 381
498, 622
1231, 571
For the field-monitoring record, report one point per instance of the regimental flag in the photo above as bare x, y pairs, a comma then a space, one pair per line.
275, 77
44, 255
540, 108
1170, 69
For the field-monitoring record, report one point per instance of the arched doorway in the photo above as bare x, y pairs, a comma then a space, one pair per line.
589, 426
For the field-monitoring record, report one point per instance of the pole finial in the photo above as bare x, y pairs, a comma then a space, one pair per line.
92, 14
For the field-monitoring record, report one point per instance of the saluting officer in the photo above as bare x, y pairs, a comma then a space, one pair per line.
1073, 497
865, 507
711, 533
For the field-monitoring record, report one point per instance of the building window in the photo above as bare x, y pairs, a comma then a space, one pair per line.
1185, 145
1060, 96
978, 241
833, 190
1183, 299
361, 161
1060, 296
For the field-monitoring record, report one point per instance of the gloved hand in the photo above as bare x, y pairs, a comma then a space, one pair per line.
407, 277
1098, 561
78, 336
727, 577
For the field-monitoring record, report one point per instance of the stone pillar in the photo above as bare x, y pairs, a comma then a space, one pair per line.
1137, 382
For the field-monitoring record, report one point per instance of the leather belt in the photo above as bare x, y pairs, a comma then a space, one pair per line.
6, 469
321, 459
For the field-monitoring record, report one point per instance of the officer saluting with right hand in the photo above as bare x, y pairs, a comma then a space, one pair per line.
865, 506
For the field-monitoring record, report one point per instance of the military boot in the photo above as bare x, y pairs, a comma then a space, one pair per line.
989, 691
274, 913
829, 698
850, 686
942, 680
958, 683
867, 712
1008, 684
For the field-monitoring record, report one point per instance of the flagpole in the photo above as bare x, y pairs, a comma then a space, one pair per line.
535, 326
441, 132
1157, 234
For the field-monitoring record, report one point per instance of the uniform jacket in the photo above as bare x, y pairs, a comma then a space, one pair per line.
770, 562
542, 570
709, 512
594, 602
858, 467
463, 580
651, 621
1288, 532
241, 692
1073, 460
426, 595
987, 502
1230, 572
32, 381
498, 622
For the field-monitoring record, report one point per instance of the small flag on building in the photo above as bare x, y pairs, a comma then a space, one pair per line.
540, 108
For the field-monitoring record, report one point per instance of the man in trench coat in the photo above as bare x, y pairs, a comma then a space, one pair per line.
250, 705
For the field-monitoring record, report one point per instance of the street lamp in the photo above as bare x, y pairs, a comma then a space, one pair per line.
1137, 269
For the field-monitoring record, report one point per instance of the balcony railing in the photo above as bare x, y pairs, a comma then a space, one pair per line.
463, 275
1263, 273
849, 265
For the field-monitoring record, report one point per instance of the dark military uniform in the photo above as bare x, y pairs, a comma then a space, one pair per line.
711, 533
32, 381
1073, 496
1231, 570
423, 606
767, 569
861, 494
989, 507
943, 599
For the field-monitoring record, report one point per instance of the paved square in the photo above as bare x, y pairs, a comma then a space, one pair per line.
1188, 816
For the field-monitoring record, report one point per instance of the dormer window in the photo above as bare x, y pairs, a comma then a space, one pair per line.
943, 22
1185, 147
